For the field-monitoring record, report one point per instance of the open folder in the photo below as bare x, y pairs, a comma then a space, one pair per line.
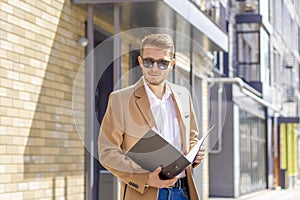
152, 151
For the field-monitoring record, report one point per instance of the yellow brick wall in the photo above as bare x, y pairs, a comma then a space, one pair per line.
41, 155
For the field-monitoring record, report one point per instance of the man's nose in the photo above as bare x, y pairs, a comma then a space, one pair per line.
155, 66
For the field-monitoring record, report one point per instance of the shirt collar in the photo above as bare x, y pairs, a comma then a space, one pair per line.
151, 96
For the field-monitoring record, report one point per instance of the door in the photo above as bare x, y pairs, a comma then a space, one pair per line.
103, 54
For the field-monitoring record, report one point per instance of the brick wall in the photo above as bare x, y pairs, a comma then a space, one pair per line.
41, 155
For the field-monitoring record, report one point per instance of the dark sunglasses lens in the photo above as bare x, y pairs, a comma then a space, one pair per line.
163, 64
148, 62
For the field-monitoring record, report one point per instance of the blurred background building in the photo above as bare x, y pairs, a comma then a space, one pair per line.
60, 59
261, 132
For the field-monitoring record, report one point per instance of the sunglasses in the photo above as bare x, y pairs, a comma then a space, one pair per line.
161, 63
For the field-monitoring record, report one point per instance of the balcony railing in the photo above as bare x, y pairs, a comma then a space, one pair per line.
214, 9
249, 72
248, 23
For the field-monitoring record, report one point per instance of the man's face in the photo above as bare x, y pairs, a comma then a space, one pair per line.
154, 75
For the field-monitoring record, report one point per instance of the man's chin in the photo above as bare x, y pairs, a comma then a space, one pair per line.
154, 82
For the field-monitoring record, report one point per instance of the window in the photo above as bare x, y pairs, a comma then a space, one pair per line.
265, 57
277, 15
248, 52
252, 153
299, 40
277, 68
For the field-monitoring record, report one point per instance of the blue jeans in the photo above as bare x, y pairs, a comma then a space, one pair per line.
173, 194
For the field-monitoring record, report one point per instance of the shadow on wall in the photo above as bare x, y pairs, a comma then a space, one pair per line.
54, 149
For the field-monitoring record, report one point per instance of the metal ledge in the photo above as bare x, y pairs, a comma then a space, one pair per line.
288, 120
166, 14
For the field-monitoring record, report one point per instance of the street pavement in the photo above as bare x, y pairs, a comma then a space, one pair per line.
272, 194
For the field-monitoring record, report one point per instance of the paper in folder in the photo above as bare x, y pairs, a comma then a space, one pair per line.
152, 151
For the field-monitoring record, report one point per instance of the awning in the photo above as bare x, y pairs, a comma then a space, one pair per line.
177, 15
288, 120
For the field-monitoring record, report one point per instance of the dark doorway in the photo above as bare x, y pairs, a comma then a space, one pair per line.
103, 54
104, 83
135, 70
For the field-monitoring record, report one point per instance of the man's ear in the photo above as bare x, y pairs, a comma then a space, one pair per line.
172, 63
140, 60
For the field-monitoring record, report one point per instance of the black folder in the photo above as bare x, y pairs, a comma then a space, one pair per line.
152, 151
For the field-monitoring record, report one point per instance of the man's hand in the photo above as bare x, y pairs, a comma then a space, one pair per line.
155, 181
200, 155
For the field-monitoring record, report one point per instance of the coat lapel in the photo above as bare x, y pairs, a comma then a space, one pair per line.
143, 104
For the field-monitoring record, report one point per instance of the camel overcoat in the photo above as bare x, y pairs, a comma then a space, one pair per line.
128, 117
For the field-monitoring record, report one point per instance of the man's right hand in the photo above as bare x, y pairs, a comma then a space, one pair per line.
155, 181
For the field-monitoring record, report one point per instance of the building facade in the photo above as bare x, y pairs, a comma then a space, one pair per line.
259, 138
285, 58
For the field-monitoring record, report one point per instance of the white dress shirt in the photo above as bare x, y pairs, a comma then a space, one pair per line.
165, 116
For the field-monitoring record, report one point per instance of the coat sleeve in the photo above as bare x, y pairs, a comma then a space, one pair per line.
111, 155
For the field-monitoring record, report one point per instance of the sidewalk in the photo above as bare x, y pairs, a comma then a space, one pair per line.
280, 194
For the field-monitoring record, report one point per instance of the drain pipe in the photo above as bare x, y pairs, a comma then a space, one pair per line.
219, 131
246, 89
275, 124
90, 177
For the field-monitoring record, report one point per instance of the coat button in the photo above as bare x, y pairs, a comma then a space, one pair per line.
133, 184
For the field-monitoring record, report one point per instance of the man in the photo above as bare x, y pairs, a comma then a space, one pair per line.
131, 112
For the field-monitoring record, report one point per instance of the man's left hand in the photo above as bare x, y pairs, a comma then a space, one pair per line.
200, 155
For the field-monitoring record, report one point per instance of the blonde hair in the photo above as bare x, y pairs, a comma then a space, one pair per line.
162, 41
